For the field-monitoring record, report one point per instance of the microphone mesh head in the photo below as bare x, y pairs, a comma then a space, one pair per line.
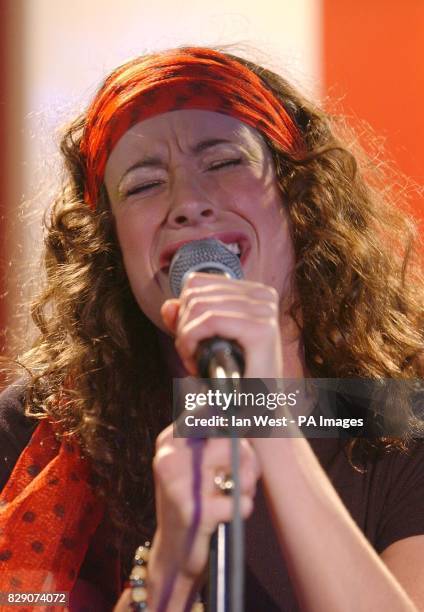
208, 255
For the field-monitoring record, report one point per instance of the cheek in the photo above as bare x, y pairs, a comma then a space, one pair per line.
258, 192
134, 238
273, 223
283, 256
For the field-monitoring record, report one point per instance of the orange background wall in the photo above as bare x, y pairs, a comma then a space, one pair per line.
4, 23
11, 93
373, 55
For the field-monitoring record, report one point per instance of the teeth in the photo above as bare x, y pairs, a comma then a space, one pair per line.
233, 247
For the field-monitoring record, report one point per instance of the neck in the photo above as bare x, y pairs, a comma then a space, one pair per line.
292, 346
170, 356
294, 359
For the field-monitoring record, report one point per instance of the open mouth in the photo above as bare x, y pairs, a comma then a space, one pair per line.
235, 242
234, 247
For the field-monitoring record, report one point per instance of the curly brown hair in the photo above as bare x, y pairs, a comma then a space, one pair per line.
360, 305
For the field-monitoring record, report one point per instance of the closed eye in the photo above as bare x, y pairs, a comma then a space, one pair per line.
142, 188
224, 163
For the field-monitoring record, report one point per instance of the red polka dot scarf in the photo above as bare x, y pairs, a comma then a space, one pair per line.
189, 78
48, 513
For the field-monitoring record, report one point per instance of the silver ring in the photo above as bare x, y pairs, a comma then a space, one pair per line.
224, 483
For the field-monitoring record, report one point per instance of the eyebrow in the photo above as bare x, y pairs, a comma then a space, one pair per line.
156, 162
209, 143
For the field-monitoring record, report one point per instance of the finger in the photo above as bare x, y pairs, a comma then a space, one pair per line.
217, 453
215, 508
167, 438
196, 305
217, 461
220, 509
210, 283
169, 313
173, 462
172, 469
247, 482
247, 330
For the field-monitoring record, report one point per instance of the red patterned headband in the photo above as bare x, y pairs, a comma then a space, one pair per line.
190, 78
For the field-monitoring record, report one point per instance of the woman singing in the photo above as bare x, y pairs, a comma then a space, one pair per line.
175, 147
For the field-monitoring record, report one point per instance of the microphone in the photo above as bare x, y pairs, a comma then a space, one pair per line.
223, 359
216, 357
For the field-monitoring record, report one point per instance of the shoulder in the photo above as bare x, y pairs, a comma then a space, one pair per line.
393, 470
384, 493
399, 478
407, 468
15, 428
404, 465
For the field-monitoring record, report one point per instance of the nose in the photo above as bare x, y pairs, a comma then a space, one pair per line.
190, 205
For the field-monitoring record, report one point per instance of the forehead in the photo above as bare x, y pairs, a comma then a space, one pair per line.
189, 121
184, 129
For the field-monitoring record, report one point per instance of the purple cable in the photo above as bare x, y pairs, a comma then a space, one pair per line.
196, 445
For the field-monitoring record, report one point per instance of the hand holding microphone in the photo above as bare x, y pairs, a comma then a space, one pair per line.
216, 357
214, 301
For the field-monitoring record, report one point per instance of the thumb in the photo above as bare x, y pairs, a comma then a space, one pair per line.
169, 312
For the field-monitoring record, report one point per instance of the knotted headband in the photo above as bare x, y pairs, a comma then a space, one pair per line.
189, 78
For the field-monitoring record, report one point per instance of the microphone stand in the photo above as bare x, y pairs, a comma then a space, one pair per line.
226, 559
